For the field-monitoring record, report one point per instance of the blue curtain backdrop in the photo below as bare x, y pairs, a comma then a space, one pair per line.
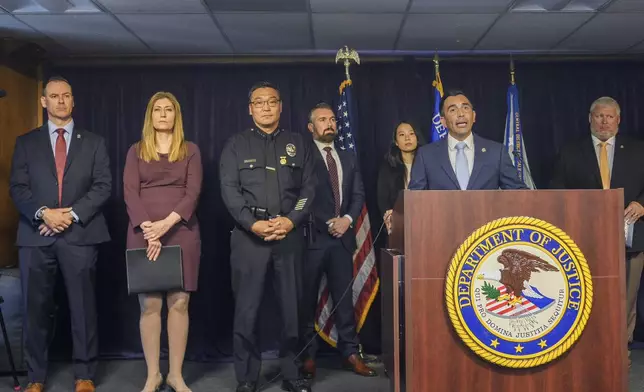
555, 98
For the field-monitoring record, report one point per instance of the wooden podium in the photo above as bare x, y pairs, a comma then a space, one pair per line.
422, 352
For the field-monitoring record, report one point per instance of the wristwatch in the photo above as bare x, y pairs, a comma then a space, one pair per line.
39, 213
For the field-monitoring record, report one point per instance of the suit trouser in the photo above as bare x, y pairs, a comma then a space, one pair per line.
38, 271
336, 262
634, 266
250, 259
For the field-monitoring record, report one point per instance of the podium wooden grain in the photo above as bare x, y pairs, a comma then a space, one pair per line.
428, 227
390, 313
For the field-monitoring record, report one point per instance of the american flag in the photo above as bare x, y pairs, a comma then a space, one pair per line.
504, 309
365, 285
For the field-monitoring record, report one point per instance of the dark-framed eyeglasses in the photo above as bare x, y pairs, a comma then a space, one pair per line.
258, 103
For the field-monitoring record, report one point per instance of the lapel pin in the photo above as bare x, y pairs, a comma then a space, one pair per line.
77, 136
621, 146
483, 149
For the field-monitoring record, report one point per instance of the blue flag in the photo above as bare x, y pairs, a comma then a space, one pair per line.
513, 139
438, 130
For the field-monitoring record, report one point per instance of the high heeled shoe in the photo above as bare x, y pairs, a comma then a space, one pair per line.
157, 388
174, 389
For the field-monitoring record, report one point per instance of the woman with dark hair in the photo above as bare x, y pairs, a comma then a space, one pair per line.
395, 171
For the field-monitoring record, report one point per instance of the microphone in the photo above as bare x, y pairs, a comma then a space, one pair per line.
3, 93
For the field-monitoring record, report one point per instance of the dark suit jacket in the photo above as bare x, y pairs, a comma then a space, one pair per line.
87, 186
391, 180
577, 168
492, 168
323, 208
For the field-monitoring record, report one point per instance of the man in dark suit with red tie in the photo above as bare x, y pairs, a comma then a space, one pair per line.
606, 159
60, 179
338, 201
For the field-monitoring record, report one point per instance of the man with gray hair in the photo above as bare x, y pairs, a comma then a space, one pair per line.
608, 160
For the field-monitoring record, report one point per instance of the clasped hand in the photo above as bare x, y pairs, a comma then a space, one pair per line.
154, 250
153, 231
338, 226
274, 229
56, 220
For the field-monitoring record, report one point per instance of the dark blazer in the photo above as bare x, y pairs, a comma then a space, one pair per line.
492, 168
577, 168
391, 180
87, 186
323, 208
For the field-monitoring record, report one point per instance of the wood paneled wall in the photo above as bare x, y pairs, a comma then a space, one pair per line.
20, 112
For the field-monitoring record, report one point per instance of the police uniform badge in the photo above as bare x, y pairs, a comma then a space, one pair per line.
282, 160
290, 150
519, 292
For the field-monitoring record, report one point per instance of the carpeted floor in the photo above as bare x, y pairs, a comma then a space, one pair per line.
128, 376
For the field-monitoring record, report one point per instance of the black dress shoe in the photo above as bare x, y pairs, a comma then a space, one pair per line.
246, 387
296, 386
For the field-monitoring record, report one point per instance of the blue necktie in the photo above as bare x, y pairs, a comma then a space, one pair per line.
462, 169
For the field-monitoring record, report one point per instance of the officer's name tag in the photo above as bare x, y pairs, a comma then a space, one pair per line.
270, 168
250, 160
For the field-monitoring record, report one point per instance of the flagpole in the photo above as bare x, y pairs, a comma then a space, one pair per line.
438, 130
347, 56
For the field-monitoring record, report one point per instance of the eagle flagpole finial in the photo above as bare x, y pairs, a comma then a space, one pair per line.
347, 55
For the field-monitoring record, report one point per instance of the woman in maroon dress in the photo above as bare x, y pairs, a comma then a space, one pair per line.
162, 183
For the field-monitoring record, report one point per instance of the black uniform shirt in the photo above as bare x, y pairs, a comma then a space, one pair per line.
273, 171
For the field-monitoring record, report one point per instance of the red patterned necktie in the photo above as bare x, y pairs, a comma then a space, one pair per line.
61, 156
333, 176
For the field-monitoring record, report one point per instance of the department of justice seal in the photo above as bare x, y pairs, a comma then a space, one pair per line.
519, 292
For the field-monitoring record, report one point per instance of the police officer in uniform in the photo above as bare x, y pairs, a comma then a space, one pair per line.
267, 184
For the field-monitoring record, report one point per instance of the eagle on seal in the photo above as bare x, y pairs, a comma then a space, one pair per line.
518, 268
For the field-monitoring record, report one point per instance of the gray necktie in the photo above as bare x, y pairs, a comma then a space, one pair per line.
462, 169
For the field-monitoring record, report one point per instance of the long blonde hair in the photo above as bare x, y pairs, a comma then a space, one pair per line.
147, 146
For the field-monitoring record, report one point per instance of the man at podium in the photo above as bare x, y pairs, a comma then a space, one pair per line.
463, 160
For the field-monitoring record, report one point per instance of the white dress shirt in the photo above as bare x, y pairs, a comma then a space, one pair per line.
468, 150
338, 164
408, 179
